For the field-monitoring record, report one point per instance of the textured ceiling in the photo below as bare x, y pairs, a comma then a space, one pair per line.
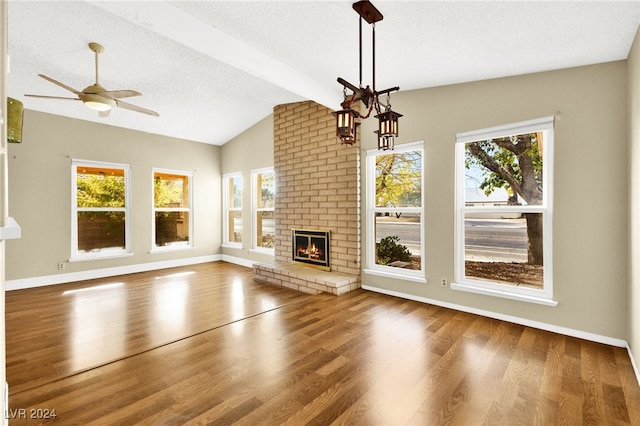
212, 69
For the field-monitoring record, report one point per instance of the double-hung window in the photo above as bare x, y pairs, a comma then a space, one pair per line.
395, 213
232, 207
263, 196
504, 211
172, 209
100, 210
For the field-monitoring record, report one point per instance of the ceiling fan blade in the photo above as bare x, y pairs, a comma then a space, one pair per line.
52, 97
57, 83
136, 108
117, 94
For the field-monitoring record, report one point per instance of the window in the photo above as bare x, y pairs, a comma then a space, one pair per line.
504, 215
395, 211
232, 207
263, 195
100, 210
172, 204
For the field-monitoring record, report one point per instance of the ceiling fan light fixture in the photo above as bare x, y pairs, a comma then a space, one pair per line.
97, 102
97, 97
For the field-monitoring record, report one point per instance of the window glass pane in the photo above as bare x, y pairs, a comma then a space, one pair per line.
172, 228
506, 248
171, 190
235, 227
504, 171
398, 240
235, 192
99, 187
266, 185
399, 179
100, 230
266, 228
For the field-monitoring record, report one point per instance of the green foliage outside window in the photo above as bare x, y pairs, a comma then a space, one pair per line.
100, 189
513, 163
399, 179
169, 191
100, 199
388, 251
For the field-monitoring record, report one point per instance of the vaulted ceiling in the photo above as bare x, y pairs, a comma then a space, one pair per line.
212, 69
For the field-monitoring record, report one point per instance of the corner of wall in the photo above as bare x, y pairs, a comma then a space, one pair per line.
633, 99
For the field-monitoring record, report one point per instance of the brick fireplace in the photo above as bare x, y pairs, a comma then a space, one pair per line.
317, 188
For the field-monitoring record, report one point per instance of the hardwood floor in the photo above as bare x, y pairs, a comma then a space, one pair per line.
205, 344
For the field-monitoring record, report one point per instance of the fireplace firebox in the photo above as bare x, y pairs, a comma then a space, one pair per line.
311, 248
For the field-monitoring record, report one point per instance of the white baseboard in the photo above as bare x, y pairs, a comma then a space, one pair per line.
516, 320
105, 272
633, 363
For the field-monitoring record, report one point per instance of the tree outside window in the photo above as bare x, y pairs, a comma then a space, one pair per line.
232, 205
172, 209
264, 186
395, 208
99, 222
504, 215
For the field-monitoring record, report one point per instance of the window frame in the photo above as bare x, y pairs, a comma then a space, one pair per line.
255, 209
111, 253
382, 270
226, 178
190, 175
493, 288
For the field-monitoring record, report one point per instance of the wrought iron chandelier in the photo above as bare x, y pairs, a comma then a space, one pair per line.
347, 119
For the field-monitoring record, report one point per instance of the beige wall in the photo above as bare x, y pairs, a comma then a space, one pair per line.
634, 165
253, 149
40, 191
590, 187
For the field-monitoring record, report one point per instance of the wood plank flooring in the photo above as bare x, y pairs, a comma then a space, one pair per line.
205, 344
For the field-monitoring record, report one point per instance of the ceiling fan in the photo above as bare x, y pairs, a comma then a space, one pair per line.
97, 97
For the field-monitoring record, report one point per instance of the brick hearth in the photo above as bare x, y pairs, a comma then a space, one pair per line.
304, 278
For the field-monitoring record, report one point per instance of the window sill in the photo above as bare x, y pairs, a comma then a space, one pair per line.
10, 231
504, 294
99, 256
398, 276
166, 249
232, 246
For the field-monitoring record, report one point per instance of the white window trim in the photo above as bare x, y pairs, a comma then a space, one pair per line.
107, 254
189, 245
226, 209
381, 270
541, 296
254, 209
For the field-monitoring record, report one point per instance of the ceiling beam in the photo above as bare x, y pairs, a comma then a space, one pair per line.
170, 21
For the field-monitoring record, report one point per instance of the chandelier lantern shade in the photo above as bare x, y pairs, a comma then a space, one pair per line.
346, 124
388, 123
385, 143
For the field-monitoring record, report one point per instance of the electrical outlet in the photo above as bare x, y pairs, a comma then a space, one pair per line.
443, 282
61, 266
